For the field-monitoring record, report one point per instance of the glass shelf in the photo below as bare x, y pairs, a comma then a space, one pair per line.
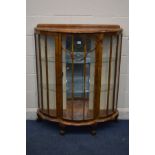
89, 60
104, 87
79, 88
51, 87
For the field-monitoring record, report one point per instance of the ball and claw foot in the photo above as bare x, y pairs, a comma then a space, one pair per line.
62, 132
116, 119
62, 129
93, 129
93, 132
39, 119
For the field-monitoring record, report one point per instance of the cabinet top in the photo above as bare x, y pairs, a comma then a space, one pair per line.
77, 28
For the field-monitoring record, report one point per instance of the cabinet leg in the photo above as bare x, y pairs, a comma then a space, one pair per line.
116, 118
93, 129
39, 118
62, 129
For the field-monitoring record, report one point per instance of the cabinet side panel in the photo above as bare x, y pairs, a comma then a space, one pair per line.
92, 71
43, 66
104, 73
51, 74
108, 74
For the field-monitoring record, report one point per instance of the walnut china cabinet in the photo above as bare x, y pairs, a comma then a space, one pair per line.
78, 68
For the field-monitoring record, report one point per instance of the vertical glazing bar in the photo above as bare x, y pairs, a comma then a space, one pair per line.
116, 60
41, 83
119, 70
72, 55
47, 85
84, 74
58, 71
97, 79
61, 76
35, 37
109, 75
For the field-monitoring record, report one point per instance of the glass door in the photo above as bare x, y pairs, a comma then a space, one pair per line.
78, 65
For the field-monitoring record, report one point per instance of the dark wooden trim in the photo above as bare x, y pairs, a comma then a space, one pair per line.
61, 76
37, 75
98, 67
47, 33
57, 74
95, 81
84, 76
47, 82
41, 83
58, 69
72, 76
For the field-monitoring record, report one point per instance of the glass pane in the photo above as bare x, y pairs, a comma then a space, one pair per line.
111, 102
105, 75
43, 67
117, 75
78, 76
51, 75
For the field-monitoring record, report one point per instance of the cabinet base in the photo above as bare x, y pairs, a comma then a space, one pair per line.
63, 122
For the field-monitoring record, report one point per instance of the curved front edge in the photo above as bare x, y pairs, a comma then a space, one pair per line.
111, 117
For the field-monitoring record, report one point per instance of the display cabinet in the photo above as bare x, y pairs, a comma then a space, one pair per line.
78, 68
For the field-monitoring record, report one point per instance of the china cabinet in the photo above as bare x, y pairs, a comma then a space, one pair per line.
78, 68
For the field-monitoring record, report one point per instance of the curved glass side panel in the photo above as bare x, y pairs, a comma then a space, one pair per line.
107, 75
48, 74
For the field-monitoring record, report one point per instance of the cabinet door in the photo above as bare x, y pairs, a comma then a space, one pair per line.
78, 66
46, 73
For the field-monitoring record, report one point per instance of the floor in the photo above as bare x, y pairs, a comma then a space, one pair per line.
43, 138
